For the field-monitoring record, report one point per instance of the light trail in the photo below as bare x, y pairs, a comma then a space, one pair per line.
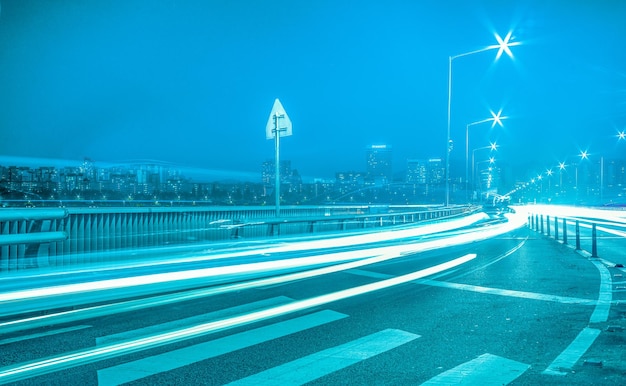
70, 290
57, 363
332, 240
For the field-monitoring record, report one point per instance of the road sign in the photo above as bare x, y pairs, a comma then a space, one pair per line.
278, 122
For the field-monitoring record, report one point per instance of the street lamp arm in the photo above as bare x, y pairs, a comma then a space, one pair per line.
479, 122
474, 52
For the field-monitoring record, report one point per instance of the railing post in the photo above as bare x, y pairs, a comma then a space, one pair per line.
564, 231
577, 235
541, 219
556, 228
594, 241
548, 224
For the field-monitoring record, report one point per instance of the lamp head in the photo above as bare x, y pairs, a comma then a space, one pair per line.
505, 44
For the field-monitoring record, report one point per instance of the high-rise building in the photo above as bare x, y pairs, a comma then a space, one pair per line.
436, 171
416, 171
268, 172
378, 164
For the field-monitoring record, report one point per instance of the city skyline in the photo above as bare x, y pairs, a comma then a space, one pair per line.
192, 84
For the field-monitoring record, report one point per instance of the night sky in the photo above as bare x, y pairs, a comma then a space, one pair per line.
193, 82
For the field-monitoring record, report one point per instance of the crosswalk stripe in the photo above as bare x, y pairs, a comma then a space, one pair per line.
199, 319
319, 364
177, 358
485, 370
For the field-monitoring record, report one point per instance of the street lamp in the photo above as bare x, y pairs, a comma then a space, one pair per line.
495, 119
502, 46
492, 147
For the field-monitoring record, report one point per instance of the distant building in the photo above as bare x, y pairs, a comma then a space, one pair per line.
268, 172
416, 171
379, 164
436, 171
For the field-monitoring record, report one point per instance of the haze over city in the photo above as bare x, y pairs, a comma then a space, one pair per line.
192, 82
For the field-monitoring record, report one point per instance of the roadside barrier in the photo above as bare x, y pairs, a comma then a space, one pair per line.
536, 222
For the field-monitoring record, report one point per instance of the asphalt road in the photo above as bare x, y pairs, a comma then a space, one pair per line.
524, 311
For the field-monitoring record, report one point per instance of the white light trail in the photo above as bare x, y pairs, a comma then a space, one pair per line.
270, 266
28, 370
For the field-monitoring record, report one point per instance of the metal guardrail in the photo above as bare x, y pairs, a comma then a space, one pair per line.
69, 236
550, 226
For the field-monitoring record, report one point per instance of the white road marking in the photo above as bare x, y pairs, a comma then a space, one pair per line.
42, 334
605, 296
485, 370
199, 319
511, 293
488, 290
317, 365
177, 358
568, 358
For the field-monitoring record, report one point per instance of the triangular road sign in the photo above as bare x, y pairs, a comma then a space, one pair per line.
278, 122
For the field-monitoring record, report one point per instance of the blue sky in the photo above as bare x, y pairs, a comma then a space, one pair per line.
193, 82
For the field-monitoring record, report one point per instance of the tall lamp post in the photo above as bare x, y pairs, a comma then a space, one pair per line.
495, 119
502, 46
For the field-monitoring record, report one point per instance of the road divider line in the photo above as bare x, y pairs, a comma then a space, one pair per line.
487, 290
90, 355
485, 370
511, 293
317, 365
568, 358
171, 360
42, 334
194, 320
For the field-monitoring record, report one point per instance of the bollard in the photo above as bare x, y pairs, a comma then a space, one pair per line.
577, 235
564, 232
594, 242
548, 224
541, 219
556, 228
536, 222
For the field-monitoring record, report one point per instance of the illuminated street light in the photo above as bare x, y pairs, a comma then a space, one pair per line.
621, 135
496, 118
492, 147
502, 46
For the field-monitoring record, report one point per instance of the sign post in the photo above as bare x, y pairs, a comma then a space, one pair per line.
278, 125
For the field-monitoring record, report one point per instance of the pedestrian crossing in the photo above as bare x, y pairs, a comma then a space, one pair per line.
493, 370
